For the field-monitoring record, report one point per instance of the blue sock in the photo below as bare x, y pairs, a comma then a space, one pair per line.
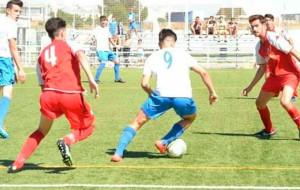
173, 134
4, 106
99, 70
117, 71
127, 136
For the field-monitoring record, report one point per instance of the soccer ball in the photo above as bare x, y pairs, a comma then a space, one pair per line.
176, 148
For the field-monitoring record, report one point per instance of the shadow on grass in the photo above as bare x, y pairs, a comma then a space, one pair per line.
240, 98
246, 135
138, 154
31, 166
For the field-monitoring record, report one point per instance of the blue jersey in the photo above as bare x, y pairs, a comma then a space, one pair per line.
131, 16
113, 27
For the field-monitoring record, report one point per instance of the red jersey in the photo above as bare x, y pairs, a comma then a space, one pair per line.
275, 52
58, 69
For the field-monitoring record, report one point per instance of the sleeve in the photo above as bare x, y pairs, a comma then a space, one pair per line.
75, 47
191, 62
39, 74
259, 59
12, 30
279, 42
147, 67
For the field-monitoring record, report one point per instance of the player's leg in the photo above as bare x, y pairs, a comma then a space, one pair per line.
186, 109
81, 119
154, 107
4, 107
261, 105
7, 79
286, 103
31, 143
116, 62
128, 134
102, 57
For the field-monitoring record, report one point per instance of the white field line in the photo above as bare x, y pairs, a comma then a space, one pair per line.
144, 186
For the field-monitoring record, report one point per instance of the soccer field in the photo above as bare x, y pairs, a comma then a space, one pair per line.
222, 152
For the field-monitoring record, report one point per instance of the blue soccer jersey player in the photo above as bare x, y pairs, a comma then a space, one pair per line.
171, 67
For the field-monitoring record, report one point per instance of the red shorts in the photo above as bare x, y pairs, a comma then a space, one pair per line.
275, 84
76, 109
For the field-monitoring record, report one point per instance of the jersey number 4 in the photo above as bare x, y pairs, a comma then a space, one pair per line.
50, 56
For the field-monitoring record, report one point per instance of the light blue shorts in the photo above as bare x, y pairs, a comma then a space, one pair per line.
132, 25
7, 72
106, 56
156, 105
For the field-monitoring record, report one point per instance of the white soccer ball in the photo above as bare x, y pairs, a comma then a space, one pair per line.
177, 148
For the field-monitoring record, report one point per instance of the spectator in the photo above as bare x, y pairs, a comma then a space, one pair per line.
233, 28
140, 52
210, 26
132, 24
126, 47
221, 28
196, 27
120, 28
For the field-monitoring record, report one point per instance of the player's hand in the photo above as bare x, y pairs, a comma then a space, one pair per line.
21, 76
213, 98
246, 91
94, 88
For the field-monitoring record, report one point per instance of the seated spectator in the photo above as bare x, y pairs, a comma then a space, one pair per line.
222, 29
210, 26
126, 47
196, 27
233, 28
140, 52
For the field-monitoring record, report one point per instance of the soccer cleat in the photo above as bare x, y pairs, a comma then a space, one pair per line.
116, 158
3, 133
13, 169
264, 134
97, 81
162, 148
65, 152
120, 80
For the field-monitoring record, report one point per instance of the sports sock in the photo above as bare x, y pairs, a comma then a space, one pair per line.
176, 131
29, 146
78, 135
294, 113
4, 106
117, 71
266, 119
126, 138
99, 70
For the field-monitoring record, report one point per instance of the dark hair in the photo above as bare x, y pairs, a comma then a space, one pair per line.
53, 25
14, 2
103, 17
257, 17
270, 16
165, 33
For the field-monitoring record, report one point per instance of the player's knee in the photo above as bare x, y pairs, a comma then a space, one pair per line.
285, 103
259, 104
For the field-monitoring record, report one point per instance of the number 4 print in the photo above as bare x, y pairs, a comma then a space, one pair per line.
50, 57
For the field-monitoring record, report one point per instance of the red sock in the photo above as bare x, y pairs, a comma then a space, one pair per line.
266, 119
78, 135
29, 146
294, 113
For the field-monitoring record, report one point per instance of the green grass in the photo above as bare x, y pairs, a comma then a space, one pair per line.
221, 150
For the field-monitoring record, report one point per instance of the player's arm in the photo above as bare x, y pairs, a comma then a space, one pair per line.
259, 74
295, 53
86, 67
15, 54
213, 97
145, 83
39, 76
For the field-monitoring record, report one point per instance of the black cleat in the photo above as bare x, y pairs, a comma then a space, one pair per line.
13, 169
264, 135
65, 152
120, 80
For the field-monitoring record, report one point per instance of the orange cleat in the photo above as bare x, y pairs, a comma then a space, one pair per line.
116, 158
162, 148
